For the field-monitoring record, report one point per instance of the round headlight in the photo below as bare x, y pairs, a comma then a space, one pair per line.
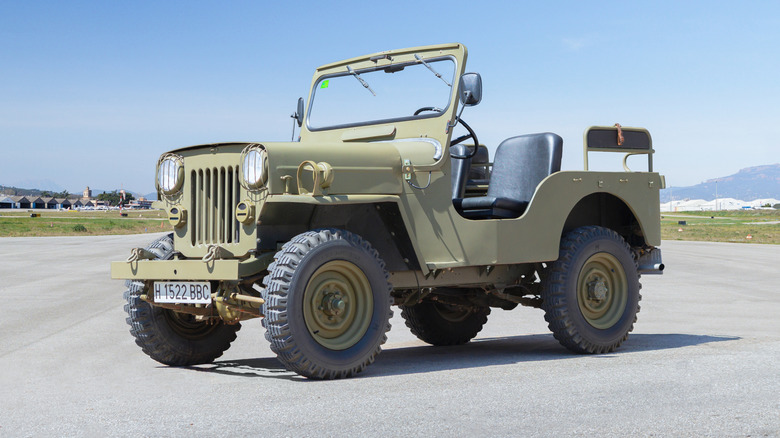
255, 167
170, 174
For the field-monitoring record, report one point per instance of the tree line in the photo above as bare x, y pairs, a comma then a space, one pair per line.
114, 198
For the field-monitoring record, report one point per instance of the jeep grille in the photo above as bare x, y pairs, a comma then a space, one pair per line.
214, 193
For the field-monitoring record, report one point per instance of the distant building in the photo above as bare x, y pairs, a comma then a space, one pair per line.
36, 202
140, 203
63, 203
51, 203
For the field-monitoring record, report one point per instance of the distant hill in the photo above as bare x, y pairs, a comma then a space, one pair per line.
37, 184
748, 184
16, 191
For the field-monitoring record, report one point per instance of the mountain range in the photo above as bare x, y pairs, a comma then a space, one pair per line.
748, 184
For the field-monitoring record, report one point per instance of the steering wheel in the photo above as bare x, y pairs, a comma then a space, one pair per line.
471, 135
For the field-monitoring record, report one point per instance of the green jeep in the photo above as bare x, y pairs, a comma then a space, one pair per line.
378, 204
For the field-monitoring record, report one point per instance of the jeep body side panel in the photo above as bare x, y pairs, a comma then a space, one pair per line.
445, 239
441, 238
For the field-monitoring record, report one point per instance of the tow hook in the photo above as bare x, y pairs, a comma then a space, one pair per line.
140, 254
214, 252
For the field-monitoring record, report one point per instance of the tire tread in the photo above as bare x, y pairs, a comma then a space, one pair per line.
424, 322
277, 282
143, 320
554, 298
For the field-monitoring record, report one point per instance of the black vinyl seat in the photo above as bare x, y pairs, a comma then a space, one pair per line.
520, 164
460, 169
467, 171
479, 173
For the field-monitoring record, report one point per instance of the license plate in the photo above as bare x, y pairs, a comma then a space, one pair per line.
182, 292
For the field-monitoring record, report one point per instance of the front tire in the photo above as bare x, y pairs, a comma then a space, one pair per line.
591, 293
169, 337
327, 307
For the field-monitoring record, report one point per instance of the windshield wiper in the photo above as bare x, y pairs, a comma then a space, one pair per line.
438, 75
365, 84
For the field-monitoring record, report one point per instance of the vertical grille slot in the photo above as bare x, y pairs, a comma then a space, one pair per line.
214, 193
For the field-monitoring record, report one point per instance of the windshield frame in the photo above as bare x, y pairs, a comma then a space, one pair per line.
359, 71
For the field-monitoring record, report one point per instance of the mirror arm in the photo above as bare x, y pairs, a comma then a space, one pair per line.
297, 117
295, 122
457, 119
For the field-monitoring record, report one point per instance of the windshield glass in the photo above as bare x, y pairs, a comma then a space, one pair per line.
382, 94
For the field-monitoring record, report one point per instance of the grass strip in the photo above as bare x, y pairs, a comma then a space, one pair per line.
741, 226
78, 226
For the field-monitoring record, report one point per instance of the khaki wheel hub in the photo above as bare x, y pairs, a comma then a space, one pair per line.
602, 290
597, 290
338, 305
333, 302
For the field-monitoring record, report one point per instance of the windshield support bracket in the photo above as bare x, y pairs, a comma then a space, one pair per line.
438, 75
363, 82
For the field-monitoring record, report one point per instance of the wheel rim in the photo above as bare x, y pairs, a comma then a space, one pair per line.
451, 313
602, 290
338, 305
187, 326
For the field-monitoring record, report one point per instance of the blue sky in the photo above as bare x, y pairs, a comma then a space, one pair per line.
93, 92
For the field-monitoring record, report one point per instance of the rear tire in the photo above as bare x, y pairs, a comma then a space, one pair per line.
443, 324
169, 337
591, 293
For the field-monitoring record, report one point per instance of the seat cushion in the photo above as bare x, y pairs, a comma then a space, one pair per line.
484, 207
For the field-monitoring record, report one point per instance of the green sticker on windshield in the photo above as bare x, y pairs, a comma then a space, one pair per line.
324, 84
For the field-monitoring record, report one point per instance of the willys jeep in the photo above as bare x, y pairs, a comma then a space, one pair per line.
377, 204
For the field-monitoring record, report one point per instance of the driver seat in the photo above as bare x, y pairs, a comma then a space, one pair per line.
520, 164
467, 171
460, 169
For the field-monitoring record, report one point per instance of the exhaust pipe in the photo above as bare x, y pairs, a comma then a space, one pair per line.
655, 269
650, 263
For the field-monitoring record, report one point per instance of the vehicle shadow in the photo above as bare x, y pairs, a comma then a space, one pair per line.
478, 353
515, 350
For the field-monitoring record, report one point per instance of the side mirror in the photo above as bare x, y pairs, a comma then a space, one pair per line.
298, 116
470, 89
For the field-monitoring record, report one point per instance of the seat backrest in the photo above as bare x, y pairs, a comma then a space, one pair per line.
522, 162
460, 169
478, 172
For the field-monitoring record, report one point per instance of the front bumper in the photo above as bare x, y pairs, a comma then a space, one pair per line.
230, 269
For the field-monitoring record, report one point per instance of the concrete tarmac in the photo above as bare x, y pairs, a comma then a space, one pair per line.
703, 360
